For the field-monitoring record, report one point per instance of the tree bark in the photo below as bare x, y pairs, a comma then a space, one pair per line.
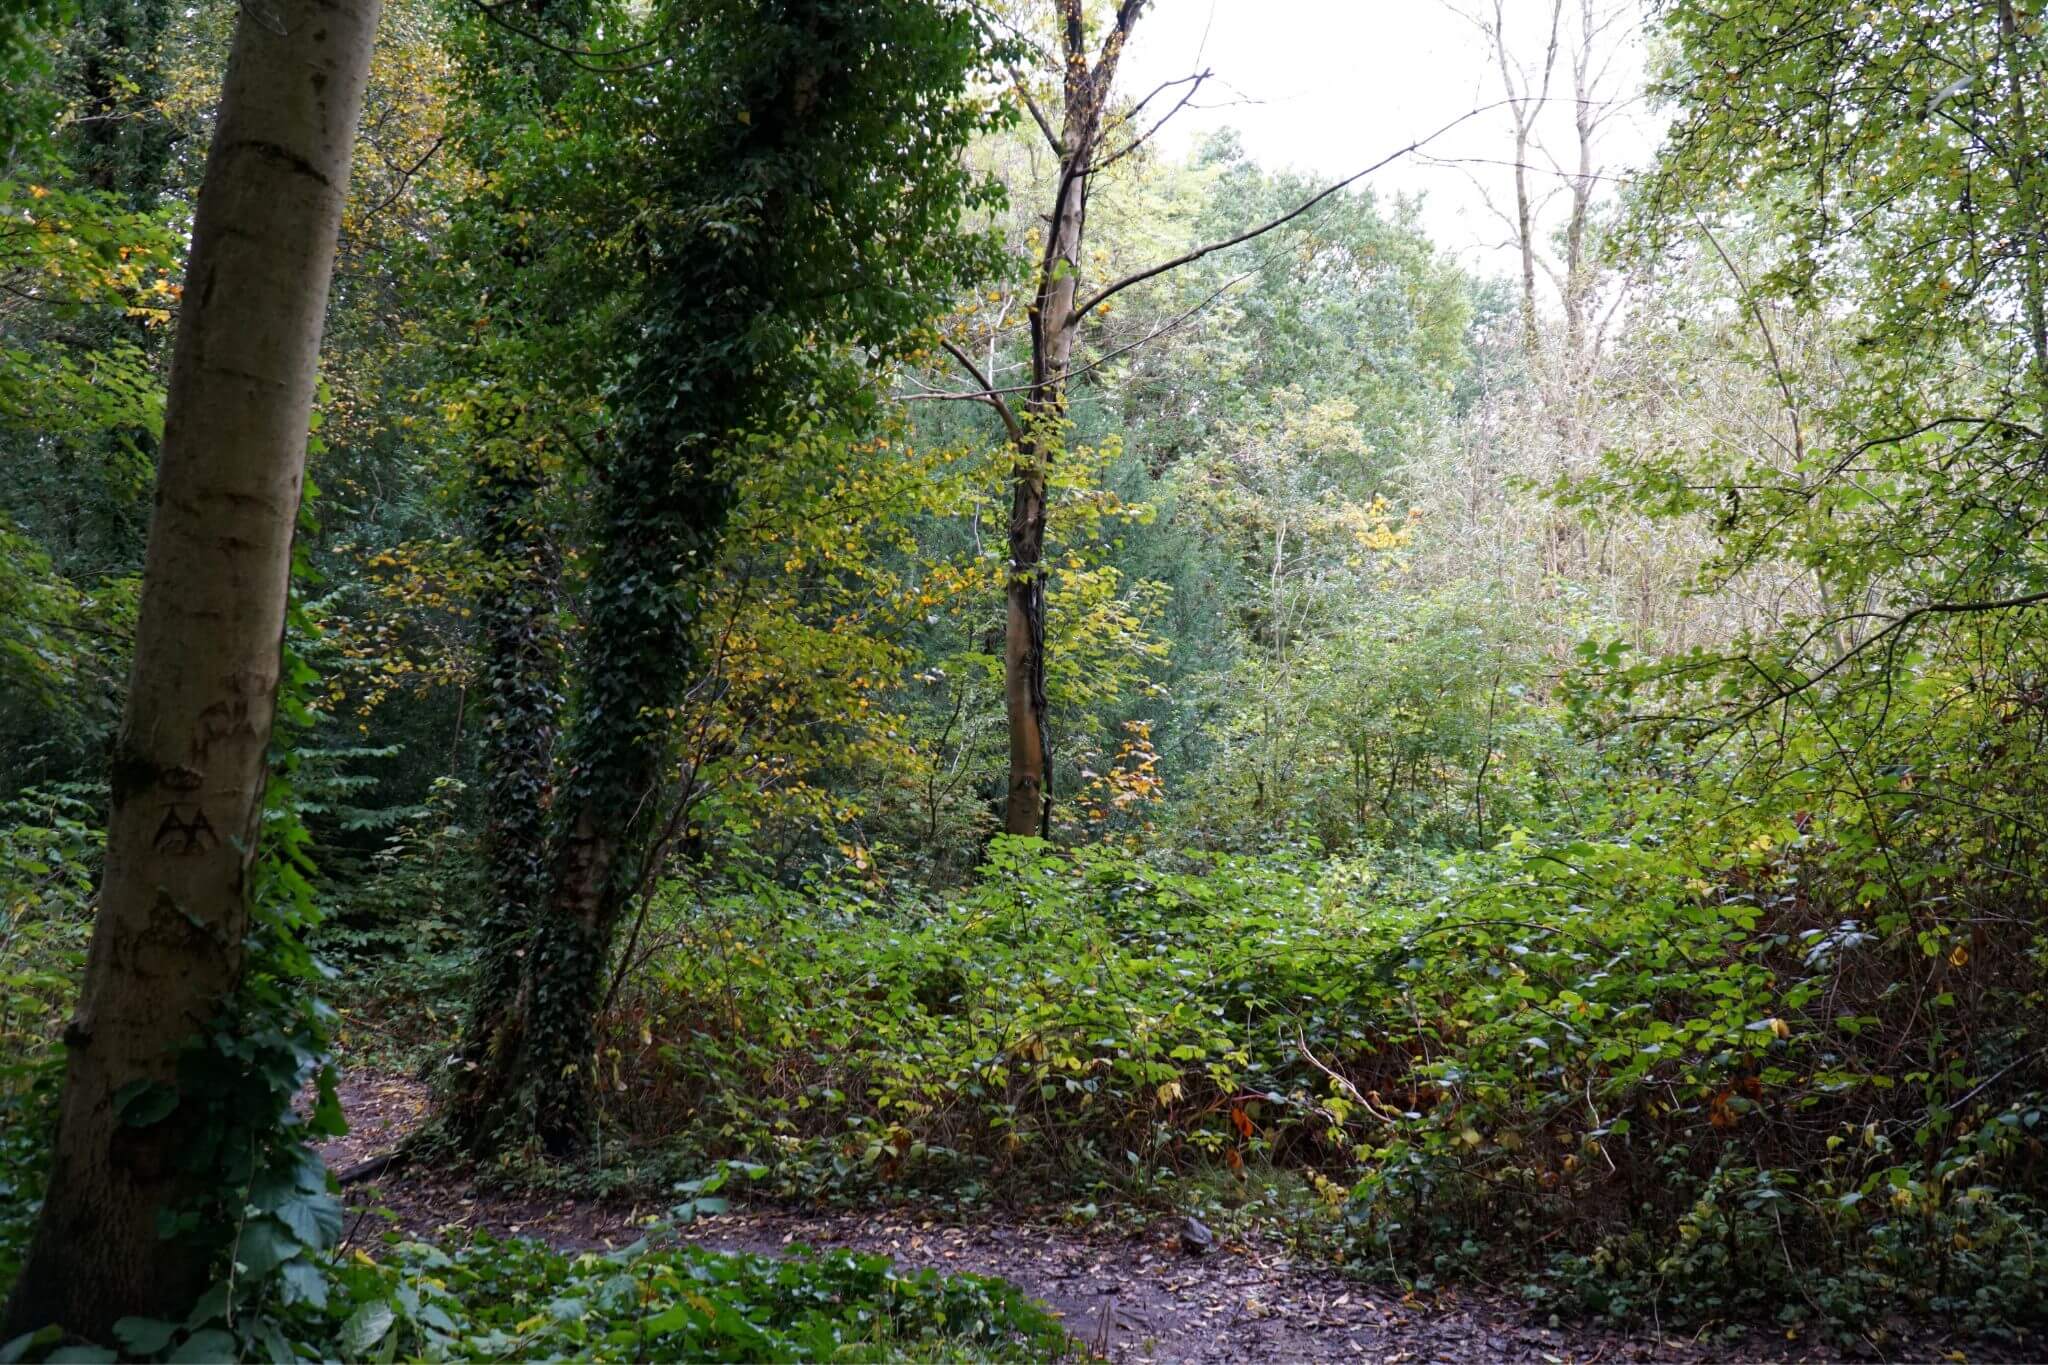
189, 768
522, 701
1055, 323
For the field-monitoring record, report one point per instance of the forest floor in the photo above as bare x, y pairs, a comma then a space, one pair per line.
1130, 1297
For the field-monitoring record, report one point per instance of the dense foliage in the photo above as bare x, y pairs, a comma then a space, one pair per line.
1546, 794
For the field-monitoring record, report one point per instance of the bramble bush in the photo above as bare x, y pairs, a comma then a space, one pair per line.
1683, 1054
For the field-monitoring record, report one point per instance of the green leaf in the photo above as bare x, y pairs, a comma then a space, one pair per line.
20, 1346
139, 1104
211, 1307
212, 1345
314, 1219
366, 1327
672, 1319
268, 1335
144, 1336
265, 1245
304, 1282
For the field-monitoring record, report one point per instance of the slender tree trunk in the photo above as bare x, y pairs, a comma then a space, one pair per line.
189, 770
1525, 102
1029, 810
2027, 175
1054, 326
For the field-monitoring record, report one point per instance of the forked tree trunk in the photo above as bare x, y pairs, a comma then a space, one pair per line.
189, 770
1055, 323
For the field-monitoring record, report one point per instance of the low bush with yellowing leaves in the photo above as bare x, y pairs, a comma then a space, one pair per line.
1653, 1065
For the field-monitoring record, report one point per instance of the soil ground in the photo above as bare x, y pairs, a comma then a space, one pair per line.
1131, 1298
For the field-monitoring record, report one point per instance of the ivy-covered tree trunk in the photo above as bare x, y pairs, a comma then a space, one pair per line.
663, 513
189, 768
798, 201
519, 601
521, 702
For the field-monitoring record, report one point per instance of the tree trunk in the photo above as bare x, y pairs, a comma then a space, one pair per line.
189, 770
1029, 810
523, 665
522, 701
1056, 314
1030, 802
1054, 325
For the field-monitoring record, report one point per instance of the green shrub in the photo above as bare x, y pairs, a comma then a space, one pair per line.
1091, 1017
50, 844
1670, 1053
520, 1300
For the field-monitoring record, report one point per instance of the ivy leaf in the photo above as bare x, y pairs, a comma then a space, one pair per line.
144, 1336
211, 1345
17, 1347
212, 1307
315, 1220
265, 1246
365, 1328
273, 1341
142, 1103
304, 1282
671, 1319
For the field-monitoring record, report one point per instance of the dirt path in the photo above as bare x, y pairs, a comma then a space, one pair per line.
1132, 1298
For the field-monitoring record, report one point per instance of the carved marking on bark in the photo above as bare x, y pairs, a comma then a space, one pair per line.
180, 835
285, 155
222, 720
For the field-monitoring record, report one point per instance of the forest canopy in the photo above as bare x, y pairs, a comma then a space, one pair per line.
772, 608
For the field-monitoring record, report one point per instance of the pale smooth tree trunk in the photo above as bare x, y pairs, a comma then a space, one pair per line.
189, 766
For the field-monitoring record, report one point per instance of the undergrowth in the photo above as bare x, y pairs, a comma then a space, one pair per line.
1665, 1066
520, 1300
487, 1300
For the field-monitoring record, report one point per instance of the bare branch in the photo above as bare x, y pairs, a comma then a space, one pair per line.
589, 59
1052, 139
1109, 291
1193, 83
1770, 343
989, 393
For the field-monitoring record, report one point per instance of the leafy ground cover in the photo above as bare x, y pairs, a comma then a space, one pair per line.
1658, 1070
1666, 1071
520, 1299
1125, 1283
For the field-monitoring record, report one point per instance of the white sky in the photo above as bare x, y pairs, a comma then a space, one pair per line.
1331, 86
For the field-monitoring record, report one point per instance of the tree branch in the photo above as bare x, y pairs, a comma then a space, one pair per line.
1109, 291
1052, 139
1193, 83
989, 393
